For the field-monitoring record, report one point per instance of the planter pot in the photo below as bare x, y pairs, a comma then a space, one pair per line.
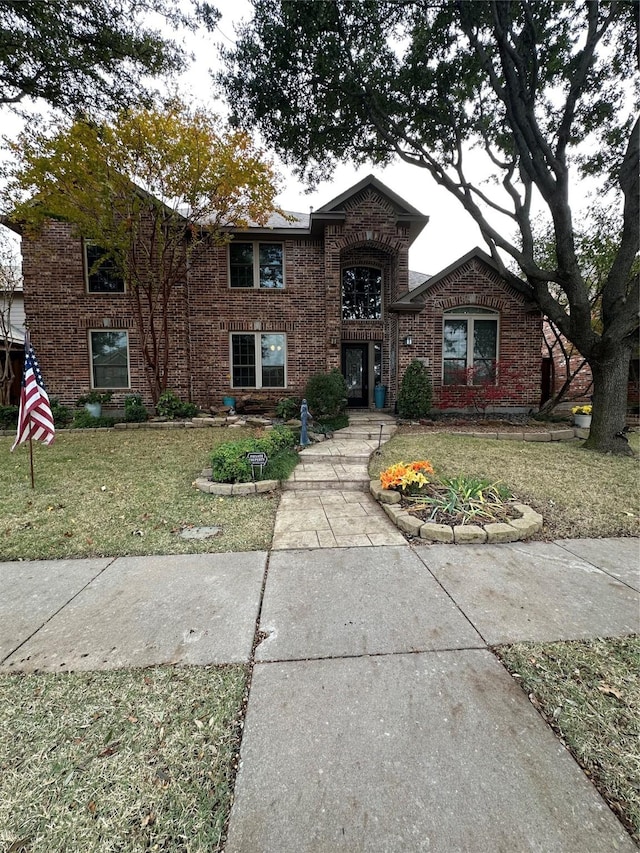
94, 409
379, 393
582, 421
230, 402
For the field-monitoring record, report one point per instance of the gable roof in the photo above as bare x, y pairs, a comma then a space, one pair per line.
411, 299
406, 213
335, 211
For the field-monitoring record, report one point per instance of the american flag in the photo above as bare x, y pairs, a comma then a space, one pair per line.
35, 420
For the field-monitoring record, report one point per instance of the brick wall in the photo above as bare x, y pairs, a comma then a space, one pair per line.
475, 283
61, 313
204, 312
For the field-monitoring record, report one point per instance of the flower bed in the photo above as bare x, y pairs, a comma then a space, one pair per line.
459, 509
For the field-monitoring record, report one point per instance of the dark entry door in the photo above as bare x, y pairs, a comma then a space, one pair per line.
355, 369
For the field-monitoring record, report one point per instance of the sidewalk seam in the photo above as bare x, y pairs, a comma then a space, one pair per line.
452, 599
377, 654
62, 606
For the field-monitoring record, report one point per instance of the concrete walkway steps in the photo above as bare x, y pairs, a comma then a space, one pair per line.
326, 501
342, 461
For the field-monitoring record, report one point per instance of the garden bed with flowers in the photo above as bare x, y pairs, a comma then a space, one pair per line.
452, 509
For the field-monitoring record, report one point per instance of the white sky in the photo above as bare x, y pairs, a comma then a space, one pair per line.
450, 232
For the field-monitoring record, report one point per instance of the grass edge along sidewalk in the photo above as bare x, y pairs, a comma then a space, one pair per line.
589, 693
125, 760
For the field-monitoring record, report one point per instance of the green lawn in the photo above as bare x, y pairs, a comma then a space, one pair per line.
590, 694
139, 760
122, 492
133, 760
578, 492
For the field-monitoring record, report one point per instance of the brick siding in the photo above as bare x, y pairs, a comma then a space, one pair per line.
204, 312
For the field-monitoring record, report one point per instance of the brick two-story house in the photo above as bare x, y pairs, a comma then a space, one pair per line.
257, 317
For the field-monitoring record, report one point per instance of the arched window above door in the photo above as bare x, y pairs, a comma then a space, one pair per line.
361, 293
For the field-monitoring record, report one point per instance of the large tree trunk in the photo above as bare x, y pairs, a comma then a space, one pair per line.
610, 387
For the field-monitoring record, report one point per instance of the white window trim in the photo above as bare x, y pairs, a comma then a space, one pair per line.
368, 319
109, 387
256, 265
451, 314
85, 262
258, 364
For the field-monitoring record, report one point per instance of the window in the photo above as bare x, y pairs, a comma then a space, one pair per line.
256, 265
258, 360
361, 293
470, 346
102, 275
109, 359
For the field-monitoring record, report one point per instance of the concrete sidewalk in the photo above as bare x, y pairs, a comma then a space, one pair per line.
378, 718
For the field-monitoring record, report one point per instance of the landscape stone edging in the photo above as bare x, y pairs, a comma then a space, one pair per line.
235, 489
530, 522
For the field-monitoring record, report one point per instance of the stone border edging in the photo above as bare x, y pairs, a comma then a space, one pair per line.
529, 523
235, 489
568, 434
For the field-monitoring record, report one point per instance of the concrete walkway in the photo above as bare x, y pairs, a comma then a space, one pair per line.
326, 502
378, 718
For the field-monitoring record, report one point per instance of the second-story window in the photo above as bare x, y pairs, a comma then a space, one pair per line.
256, 265
102, 274
361, 293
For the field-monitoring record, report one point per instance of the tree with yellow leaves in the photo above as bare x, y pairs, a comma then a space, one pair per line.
148, 188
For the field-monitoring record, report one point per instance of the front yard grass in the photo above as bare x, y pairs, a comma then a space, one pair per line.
579, 493
131, 760
590, 694
122, 492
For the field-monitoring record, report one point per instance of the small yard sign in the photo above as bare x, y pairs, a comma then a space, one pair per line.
257, 460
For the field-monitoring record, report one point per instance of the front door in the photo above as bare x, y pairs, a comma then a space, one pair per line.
355, 369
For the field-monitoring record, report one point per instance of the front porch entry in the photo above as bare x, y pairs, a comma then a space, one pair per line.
362, 369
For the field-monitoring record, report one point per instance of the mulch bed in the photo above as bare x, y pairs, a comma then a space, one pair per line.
481, 425
422, 509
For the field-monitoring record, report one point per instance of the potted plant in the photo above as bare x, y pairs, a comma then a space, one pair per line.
93, 400
582, 416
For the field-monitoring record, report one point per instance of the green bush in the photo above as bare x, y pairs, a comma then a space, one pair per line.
84, 420
325, 425
414, 399
134, 410
229, 462
170, 406
288, 407
326, 394
9, 417
62, 415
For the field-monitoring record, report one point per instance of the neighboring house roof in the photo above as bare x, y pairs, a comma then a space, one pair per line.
410, 301
417, 278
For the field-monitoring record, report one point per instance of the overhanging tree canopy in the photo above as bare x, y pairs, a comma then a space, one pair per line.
81, 54
546, 90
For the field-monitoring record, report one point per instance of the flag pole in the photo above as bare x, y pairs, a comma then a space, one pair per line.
31, 460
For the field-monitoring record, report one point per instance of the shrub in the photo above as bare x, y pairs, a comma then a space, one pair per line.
288, 407
414, 399
134, 410
62, 415
94, 396
325, 425
229, 461
326, 394
170, 406
84, 420
9, 417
